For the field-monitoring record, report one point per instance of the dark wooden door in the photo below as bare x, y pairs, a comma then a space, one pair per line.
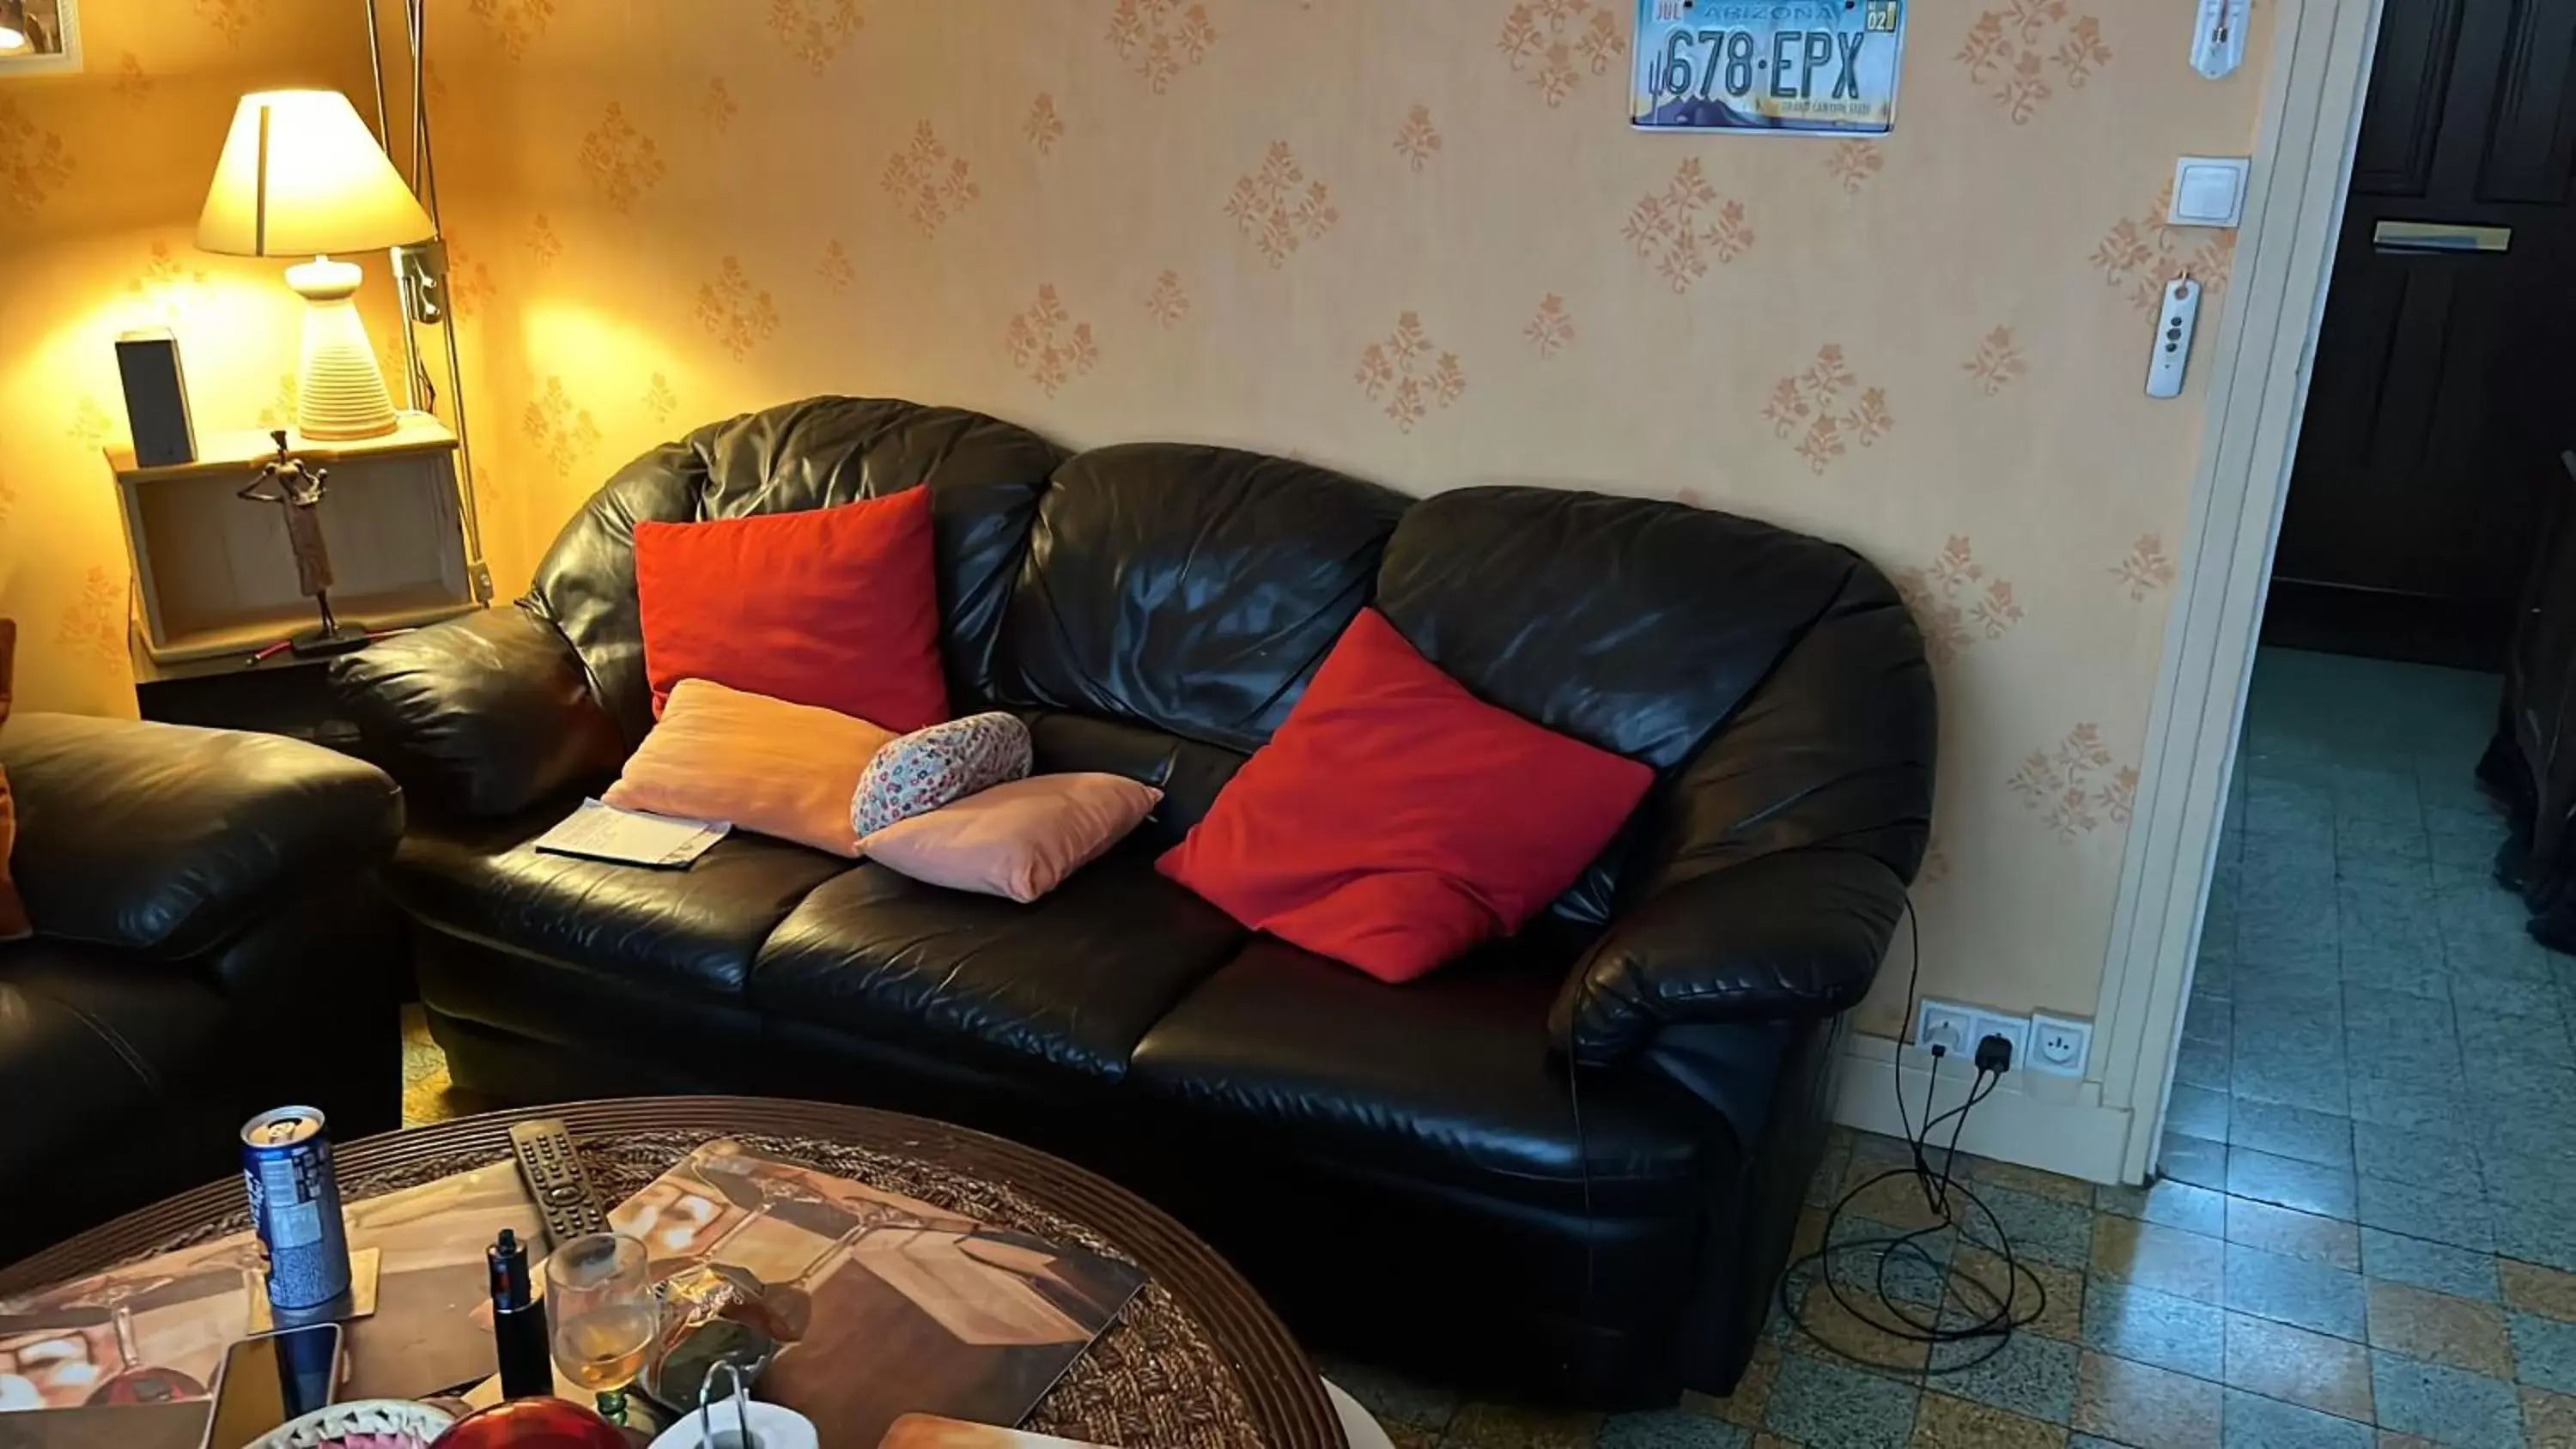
2445, 384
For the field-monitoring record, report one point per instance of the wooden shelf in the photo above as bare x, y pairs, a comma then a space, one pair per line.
228, 453
228, 651
215, 575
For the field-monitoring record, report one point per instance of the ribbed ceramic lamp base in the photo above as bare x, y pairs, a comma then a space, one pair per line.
339, 390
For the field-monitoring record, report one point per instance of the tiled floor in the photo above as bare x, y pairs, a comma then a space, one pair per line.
2367, 1232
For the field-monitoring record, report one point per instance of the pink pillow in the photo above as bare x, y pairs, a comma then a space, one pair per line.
1018, 840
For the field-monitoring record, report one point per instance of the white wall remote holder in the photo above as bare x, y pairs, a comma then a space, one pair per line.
2175, 319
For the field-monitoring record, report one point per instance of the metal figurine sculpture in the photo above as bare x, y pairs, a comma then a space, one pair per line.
297, 488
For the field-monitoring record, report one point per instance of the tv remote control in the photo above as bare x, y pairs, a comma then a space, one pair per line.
552, 1167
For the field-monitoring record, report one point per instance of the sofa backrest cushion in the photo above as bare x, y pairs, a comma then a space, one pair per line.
1636, 626
1188, 589
985, 476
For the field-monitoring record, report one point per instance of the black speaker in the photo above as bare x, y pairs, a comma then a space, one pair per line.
156, 398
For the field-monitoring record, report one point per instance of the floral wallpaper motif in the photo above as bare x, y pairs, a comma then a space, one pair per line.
1048, 345
1808, 406
33, 159
927, 182
1554, 44
229, 18
1417, 140
469, 277
815, 31
834, 270
717, 107
89, 425
2015, 49
1158, 39
1678, 232
562, 433
1044, 127
2147, 568
1168, 302
133, 82
1852, 163
737, 315
542, 242
1550, 330
1955, 603
94, 623
514, 23
659, 402
1410, 374
621, 160
2141, 255
162, 285
2077, 788
1278, 209
1998, 363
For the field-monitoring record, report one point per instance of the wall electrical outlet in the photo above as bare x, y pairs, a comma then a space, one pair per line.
1947, 1026
2059, 1044
2013, 1029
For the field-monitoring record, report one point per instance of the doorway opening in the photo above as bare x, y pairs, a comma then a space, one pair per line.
2376, 1048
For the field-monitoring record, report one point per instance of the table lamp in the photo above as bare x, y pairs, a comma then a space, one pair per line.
301, 175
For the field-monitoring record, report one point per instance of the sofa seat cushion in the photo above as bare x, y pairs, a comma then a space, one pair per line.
1447, 1079
692, 931
99, 1038
1071, 981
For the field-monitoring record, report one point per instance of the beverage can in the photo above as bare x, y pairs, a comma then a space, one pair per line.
295, 1205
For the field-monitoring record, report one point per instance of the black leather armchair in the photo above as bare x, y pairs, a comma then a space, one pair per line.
210, 941
1403, 1169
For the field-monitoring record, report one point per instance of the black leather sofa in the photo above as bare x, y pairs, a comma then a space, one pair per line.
1402, 1169
210, 942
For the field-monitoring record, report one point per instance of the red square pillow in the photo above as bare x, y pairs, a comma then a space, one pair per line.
833, 607
1395, 820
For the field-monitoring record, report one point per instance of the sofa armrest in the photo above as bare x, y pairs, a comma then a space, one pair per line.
164, 840
480, 716
1796, 934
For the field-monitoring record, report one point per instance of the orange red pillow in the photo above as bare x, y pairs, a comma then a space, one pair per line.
1395, 820
833, 607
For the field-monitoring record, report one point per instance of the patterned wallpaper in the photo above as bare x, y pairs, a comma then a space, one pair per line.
101, 175
1410, 240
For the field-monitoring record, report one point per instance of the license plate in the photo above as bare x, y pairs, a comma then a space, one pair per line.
1768, 65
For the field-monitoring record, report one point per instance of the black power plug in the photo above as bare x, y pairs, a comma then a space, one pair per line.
1994, 1054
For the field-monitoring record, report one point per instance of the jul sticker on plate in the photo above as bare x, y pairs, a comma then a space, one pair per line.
1818, 67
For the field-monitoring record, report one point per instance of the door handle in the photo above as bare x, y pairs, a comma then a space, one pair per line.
2428, 238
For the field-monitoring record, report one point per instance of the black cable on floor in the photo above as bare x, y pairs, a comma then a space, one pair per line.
1982, 1316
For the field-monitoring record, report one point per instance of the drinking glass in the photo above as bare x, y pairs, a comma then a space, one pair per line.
601, 1315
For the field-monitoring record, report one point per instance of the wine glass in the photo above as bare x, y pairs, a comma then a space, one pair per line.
601, 1316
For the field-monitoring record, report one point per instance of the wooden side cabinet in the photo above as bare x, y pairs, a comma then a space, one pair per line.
215, 580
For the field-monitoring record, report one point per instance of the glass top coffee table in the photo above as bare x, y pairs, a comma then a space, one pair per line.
1196, 1358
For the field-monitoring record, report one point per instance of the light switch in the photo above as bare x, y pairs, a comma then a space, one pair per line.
2209, 191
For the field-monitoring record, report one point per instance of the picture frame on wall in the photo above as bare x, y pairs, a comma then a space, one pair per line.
1768, 67
39, 37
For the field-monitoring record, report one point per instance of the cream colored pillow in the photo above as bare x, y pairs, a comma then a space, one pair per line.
763, 764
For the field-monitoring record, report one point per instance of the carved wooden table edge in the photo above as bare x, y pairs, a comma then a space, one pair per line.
1282, 1388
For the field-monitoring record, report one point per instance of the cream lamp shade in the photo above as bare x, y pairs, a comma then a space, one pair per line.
301, 175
